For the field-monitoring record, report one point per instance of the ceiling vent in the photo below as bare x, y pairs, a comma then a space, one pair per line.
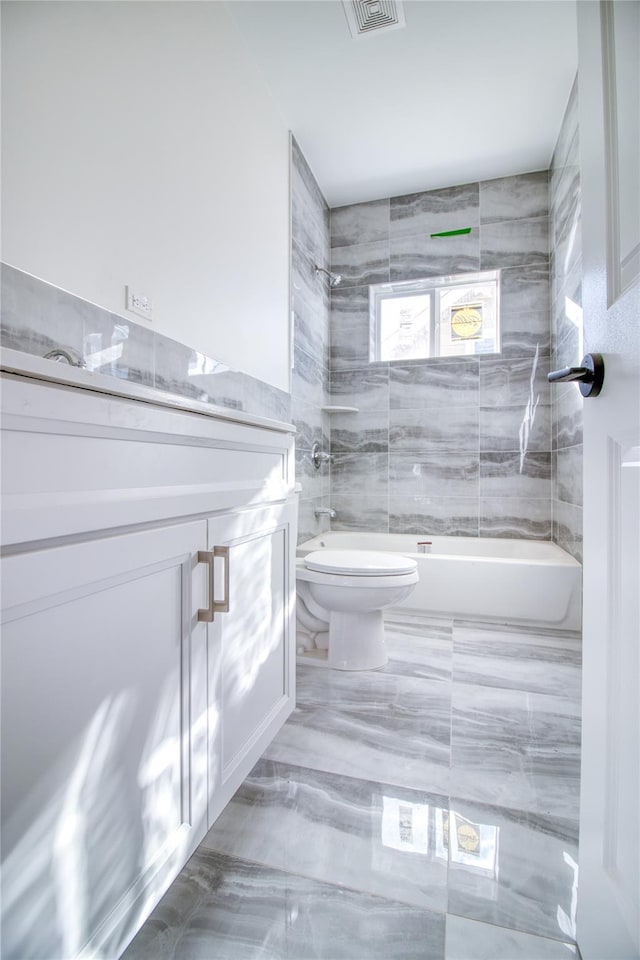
372, 16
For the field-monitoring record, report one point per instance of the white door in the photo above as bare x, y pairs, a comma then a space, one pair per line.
608, 919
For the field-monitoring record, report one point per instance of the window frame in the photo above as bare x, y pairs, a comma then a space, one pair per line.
433, 288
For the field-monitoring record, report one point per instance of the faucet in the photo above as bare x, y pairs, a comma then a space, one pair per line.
64, 356
318, 456
324, 512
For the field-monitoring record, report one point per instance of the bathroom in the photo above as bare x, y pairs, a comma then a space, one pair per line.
338, 844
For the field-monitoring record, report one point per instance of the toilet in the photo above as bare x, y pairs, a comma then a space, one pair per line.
341, 595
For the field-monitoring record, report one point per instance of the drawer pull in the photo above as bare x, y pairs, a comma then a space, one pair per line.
206, 614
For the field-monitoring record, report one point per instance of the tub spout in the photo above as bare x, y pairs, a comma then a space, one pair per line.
324, 512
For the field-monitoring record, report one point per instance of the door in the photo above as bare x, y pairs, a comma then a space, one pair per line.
104, 728
251, 644
608, 921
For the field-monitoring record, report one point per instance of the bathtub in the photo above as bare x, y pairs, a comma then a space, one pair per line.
526, 581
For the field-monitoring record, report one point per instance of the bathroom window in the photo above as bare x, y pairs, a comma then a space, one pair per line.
455, 316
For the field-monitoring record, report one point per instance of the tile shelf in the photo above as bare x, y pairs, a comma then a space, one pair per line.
336, 409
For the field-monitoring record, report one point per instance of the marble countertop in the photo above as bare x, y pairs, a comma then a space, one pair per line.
37, 368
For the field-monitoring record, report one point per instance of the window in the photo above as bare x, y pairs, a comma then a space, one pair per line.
455, 316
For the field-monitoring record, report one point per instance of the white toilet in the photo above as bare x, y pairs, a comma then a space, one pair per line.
341, 596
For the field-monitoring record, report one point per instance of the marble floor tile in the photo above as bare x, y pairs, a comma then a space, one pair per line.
513, 869
473, 940
516, 748
418, 647
222, 908
536, 661
391, 729
359, 834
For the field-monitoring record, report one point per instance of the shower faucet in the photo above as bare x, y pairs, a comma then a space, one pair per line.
318, 456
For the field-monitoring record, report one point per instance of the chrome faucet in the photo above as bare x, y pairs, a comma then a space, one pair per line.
64, 356
318, 456
324, 512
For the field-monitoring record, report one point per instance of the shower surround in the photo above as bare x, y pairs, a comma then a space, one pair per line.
445, 446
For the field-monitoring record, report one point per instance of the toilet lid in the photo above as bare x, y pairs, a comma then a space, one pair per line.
359, 563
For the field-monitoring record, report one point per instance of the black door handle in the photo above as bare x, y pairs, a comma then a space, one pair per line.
590, 376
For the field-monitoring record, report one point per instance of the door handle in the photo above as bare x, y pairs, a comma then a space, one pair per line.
206, 614
590, 376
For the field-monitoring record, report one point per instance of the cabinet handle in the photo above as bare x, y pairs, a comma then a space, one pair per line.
206, 614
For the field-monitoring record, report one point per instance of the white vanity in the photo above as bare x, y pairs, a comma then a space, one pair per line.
148, 588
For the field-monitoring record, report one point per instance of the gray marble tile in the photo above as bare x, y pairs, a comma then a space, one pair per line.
117, 347
567, 527
516, 748
568, 128
431, 516
311, 424
370, 725
315, 483
36, 316
362, 474
181, 370
516, 427
353, 832
515, 517
434, 385
566, 252
366, 432
473, 940
360, 223
361, 263
435, 211
308, 524
307, 181
514, 381
513, 242
223, 908
418, 647
535, 661
507, 475
569, 350
366, 388
568, 406
566, 313
454, 474
531, 886
430, 431
354, 512
310, 304
308, 381
350, 328
569, 474
524, 290
413, 257
515, 198
265, 400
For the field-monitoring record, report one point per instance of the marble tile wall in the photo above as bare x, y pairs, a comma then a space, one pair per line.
310, 304
36, 316
445, 446
566, 331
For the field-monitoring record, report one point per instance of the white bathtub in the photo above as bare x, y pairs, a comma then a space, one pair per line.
527, 581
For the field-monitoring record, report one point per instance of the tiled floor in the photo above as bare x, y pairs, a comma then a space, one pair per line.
428, 810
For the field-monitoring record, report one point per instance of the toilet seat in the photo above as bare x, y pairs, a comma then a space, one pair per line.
359, 563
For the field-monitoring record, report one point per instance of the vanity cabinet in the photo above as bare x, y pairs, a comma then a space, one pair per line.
147, 649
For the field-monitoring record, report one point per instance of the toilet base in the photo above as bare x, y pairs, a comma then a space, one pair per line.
356, 641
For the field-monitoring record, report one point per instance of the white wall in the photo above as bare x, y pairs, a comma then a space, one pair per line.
141, 147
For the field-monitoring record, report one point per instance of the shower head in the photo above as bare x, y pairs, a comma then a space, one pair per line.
334, 278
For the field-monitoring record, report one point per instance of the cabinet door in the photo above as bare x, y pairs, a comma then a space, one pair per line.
251, 647
104, 778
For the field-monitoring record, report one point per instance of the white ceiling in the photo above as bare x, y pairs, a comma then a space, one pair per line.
467, 90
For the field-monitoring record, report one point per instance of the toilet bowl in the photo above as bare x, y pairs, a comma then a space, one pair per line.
341, 596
